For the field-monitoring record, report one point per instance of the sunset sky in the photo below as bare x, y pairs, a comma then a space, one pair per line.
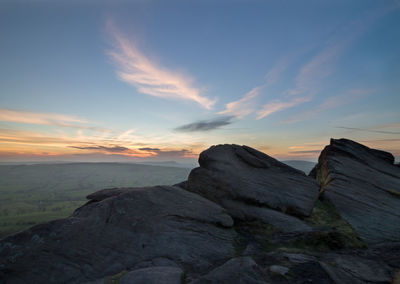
164, 80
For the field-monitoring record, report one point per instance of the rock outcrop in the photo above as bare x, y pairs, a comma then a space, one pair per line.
116, 230
364, 186
242, 217
253, 185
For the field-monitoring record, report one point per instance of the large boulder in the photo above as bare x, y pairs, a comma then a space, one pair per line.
364, 186
251, 184
117, 230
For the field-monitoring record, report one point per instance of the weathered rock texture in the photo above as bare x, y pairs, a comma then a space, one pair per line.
252, 185
153, 275
115, 231
364, 186
167, 234
237, 270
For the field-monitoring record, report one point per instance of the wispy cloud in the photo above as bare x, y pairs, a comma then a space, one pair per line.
308, 146
247, 104
144, 152
50, 119
150, 78
206, 125
305, 152
111, 149
370, 130
59, 145
38, 118
171, 154
332, 102
319, 67
387, 125
396, 140
308, 81
278, 105
311, 75
149, 149
244, 106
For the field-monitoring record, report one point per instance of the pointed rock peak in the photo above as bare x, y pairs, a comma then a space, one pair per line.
359, 151
363, 184
240, 156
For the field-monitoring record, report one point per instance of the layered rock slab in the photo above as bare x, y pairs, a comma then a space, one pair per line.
249, 184
364, 186
115, 231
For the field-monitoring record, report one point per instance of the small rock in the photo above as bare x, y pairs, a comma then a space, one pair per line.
277, 269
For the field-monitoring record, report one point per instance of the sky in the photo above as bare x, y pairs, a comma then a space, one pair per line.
165, 80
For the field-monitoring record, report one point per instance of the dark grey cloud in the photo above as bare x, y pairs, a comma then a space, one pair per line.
172, 154
369, 130
149, 149
112, 149
206, 125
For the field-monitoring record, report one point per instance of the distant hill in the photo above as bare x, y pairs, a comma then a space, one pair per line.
304, 166
168, 164
35, 193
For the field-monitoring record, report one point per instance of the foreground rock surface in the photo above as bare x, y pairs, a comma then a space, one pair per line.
364, 186
249, 184
236, 270
118, 229
153, 275
249, 223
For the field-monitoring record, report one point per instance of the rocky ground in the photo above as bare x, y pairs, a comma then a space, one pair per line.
241, 217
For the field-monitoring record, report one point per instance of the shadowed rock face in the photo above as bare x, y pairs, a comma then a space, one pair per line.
117, 230
364, 186
250, 184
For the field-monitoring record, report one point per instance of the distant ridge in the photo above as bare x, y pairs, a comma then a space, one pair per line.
167, 164
305, 166
146, 163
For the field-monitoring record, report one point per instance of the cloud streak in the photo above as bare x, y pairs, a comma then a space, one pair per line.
205, 125
278, 105
150, 78
247, 104
38, 118
244, 106
145, 152
332, 102
311, 75
369, 130
50, 119
305, 152
111, 149
149, 149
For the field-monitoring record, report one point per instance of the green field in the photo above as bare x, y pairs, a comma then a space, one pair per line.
32, 194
